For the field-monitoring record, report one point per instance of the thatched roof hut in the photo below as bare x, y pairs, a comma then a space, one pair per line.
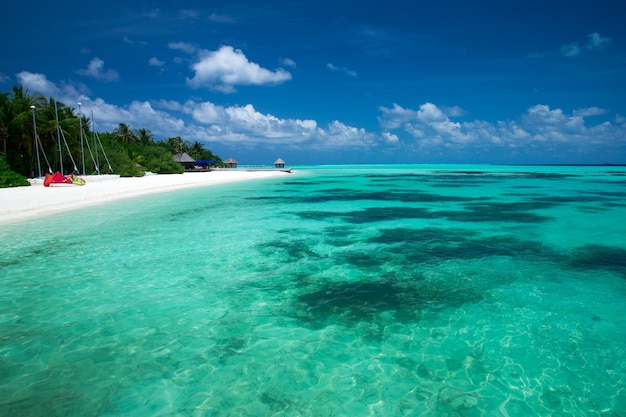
185, 159
279, 163
232, 163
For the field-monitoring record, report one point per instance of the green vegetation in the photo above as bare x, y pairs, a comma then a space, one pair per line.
125, 151
9, 178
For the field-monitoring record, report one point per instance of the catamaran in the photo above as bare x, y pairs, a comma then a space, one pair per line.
58, 178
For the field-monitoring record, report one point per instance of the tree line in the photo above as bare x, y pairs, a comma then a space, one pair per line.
66, 141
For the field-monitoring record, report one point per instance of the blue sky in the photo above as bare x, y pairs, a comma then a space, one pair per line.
340, 81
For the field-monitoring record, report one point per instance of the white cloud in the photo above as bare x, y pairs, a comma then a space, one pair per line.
170, 105
595, 42
182, 46
160, 121
427, 132
390, 137
95, 69
541, 114
137, 114
453, 111
428, 122
395, 117
428, 112
590, 111
227, 67
246, 124
219, 18
288, 62
343, 70
39, 83
341, 136
540, 127
571, 49
155, 62
107, 116
133, 42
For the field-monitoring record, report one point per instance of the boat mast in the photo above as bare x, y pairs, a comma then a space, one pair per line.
56, 115
95, 144
36, 140
82, 144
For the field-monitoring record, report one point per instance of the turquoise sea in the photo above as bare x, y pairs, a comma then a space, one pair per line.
388, 290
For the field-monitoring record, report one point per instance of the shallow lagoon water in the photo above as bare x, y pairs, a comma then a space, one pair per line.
335, 291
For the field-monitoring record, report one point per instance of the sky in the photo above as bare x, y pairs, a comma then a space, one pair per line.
337, 82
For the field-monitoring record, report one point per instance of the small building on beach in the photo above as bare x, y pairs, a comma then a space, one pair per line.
231, 163
185, 160
279, 163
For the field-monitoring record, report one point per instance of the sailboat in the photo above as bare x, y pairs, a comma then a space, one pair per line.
97, 148
58, 178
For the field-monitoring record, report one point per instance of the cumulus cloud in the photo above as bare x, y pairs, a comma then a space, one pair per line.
595, 42
39, 83
390, 137
246, 120
453, 111
137, 114
133, 42
209, 122
225, 68
155, 62
246, 124
288, 62
428, 132
340, 135
430, 129
182, 46
96, 70
590, 111
429, 123
571, 49
343, 70
220, 18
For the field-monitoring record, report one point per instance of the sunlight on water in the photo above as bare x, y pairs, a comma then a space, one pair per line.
336, 291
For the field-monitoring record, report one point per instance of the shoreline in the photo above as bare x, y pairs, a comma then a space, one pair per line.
23, 203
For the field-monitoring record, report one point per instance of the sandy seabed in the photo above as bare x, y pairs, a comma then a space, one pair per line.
21, 203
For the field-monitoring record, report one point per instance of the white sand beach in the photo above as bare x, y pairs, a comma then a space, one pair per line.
20, 203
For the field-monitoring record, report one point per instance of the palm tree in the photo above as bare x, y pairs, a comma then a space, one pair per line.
197, 150
125, 134
137, 158
145, 136
177, 144
6, 120
22, 150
